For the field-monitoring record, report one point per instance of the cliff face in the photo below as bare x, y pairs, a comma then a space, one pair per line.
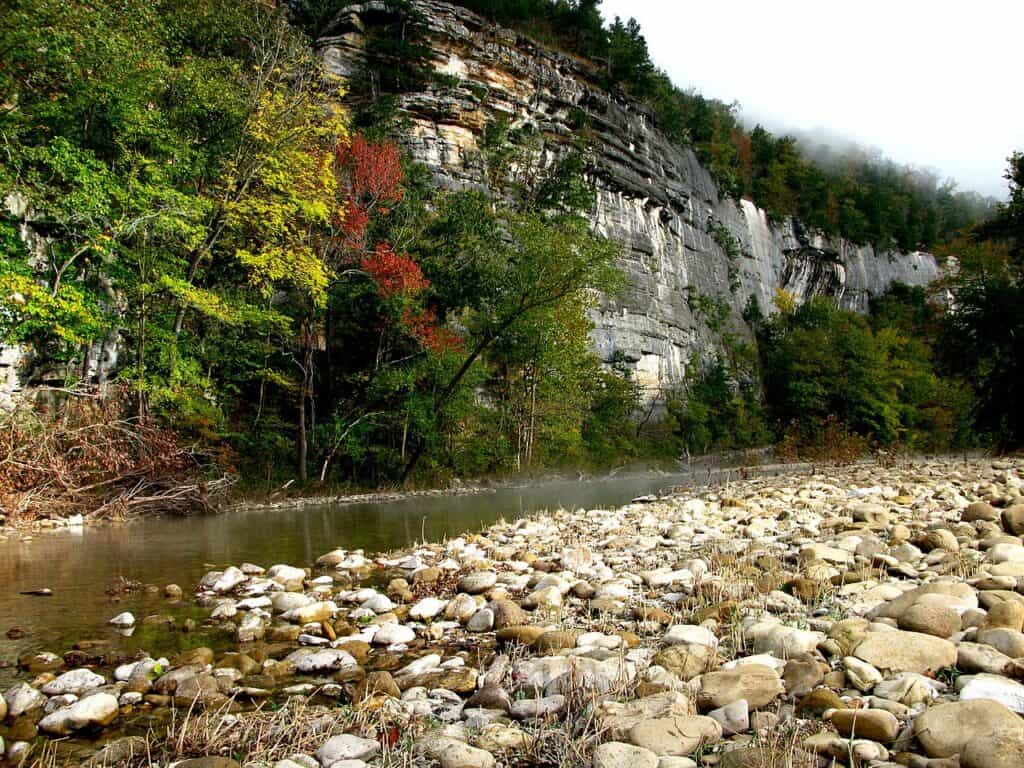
653, 197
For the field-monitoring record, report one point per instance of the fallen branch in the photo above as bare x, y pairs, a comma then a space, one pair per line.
83, 456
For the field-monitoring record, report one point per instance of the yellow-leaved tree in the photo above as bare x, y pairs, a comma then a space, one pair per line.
287, 215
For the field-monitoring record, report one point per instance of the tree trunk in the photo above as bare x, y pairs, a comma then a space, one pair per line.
302, 447
305, 392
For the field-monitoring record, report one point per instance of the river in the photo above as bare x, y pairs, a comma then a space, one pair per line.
80, 565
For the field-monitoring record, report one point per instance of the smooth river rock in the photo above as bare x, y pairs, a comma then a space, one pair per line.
900, 651
945, 729
96, 710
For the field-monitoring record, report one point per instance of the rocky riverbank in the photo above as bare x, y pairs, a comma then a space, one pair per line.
864, 616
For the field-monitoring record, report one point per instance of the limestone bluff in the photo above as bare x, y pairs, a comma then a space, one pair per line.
654, 197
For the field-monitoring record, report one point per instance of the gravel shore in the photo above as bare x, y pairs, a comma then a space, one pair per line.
869, 615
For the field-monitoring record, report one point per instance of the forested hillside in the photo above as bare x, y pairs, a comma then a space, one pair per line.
199, 239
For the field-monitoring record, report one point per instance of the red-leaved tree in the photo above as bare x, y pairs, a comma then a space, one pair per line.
370, 182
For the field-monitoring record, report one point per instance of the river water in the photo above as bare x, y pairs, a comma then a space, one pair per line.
81, 565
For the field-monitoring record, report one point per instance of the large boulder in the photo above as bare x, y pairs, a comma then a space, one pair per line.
756, 683
1000, 750
686, 661
1013, 519
945, 730
899, 651
76, 682
962, 593
679, 735
96, 710
980, 510
929, 619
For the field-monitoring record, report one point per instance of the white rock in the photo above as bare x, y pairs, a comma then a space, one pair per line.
123, 620
346, 747
459, 755
689, 634
787, 642
1007, 692
764, 659
251, 603
733, 717
393, 634
283, 574
598, 640
695, 508
229, 579
328, 659
226, 609
283, 602
95, 710
427, 608
378, 603
423, 664
576, 558
250, 628
77, 681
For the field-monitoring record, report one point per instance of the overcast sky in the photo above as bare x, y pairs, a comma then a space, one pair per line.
935, 83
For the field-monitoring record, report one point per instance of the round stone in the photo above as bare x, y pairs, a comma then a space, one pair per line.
477, 582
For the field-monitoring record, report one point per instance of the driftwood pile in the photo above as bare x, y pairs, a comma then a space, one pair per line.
82, 453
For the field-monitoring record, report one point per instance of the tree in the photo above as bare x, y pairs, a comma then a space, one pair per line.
1007, 225
542, 262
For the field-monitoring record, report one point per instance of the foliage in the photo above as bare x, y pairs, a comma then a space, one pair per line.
717, 412
1007, 225
981, 337
823, 366
279, 282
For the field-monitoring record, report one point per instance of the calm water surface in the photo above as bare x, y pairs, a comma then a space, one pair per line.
81, 565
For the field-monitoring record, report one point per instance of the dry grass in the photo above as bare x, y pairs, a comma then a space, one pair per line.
264, 734
83, 452
781, 746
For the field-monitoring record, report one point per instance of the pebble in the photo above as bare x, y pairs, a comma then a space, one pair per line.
346, 747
